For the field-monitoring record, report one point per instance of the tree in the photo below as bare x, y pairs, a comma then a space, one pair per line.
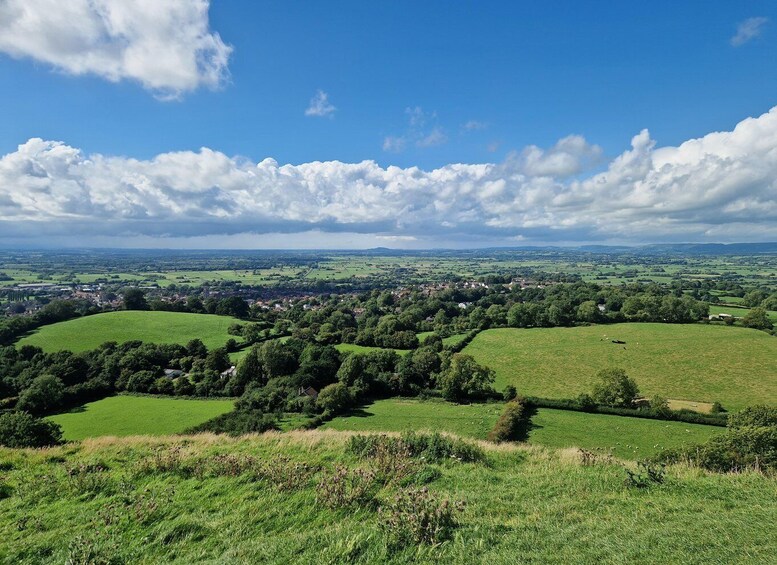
588, 311
20, 429
465, 378
753, 298
196, 348
758, 319
334, 398
135, 299
615, 388
44, 393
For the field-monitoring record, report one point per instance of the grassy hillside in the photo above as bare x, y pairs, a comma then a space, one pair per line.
734, 366
126, 415
86, 333
625, 438
187, 500
398, 415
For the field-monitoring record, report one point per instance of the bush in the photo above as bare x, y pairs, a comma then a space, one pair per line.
510, 423
237, 422
737, 450
414, 516
20, 429
432, 447
509, 393
754, 416
347, 488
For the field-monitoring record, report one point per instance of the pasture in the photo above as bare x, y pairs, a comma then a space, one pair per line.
126, 415
696, 362
364, 349
402, 414
623, 437
82, 334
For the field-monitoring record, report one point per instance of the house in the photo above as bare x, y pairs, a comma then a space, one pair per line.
173, 373
229, 372
308, 391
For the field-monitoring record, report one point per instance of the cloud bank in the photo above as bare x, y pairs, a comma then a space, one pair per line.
165, 46
720, 187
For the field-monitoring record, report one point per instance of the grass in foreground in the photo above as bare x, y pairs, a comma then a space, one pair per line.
126, 415
89, 332
734, 366
623, 437
399, 415
100, 500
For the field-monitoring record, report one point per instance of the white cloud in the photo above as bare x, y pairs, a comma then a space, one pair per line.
320, 106
394, 144
722, 186
747, 30
569, 156
474, 125
434, 137
166, 46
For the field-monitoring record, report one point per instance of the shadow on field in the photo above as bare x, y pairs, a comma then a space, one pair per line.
526, 426
359, 413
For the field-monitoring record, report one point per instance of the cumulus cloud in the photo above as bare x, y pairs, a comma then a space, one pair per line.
747, 30
320, 106
165, 46
722, 186
569, 156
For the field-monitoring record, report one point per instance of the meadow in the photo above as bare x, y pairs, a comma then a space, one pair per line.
364, 349
131, 500
127, 415
697, 362
622, 437
402, 414
82, 334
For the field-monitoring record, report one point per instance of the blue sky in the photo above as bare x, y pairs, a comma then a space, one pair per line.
410, 84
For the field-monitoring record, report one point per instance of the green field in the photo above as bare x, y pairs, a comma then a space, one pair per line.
364, 349
734, 366
107, 501
398, 415
739, 311
623, 437
137, 415
82, 334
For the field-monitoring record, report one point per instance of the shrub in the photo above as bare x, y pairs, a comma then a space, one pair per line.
432, 447
510, 422
20, 429
509, 393
754, 416
347, 488
238, 422
415, 516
